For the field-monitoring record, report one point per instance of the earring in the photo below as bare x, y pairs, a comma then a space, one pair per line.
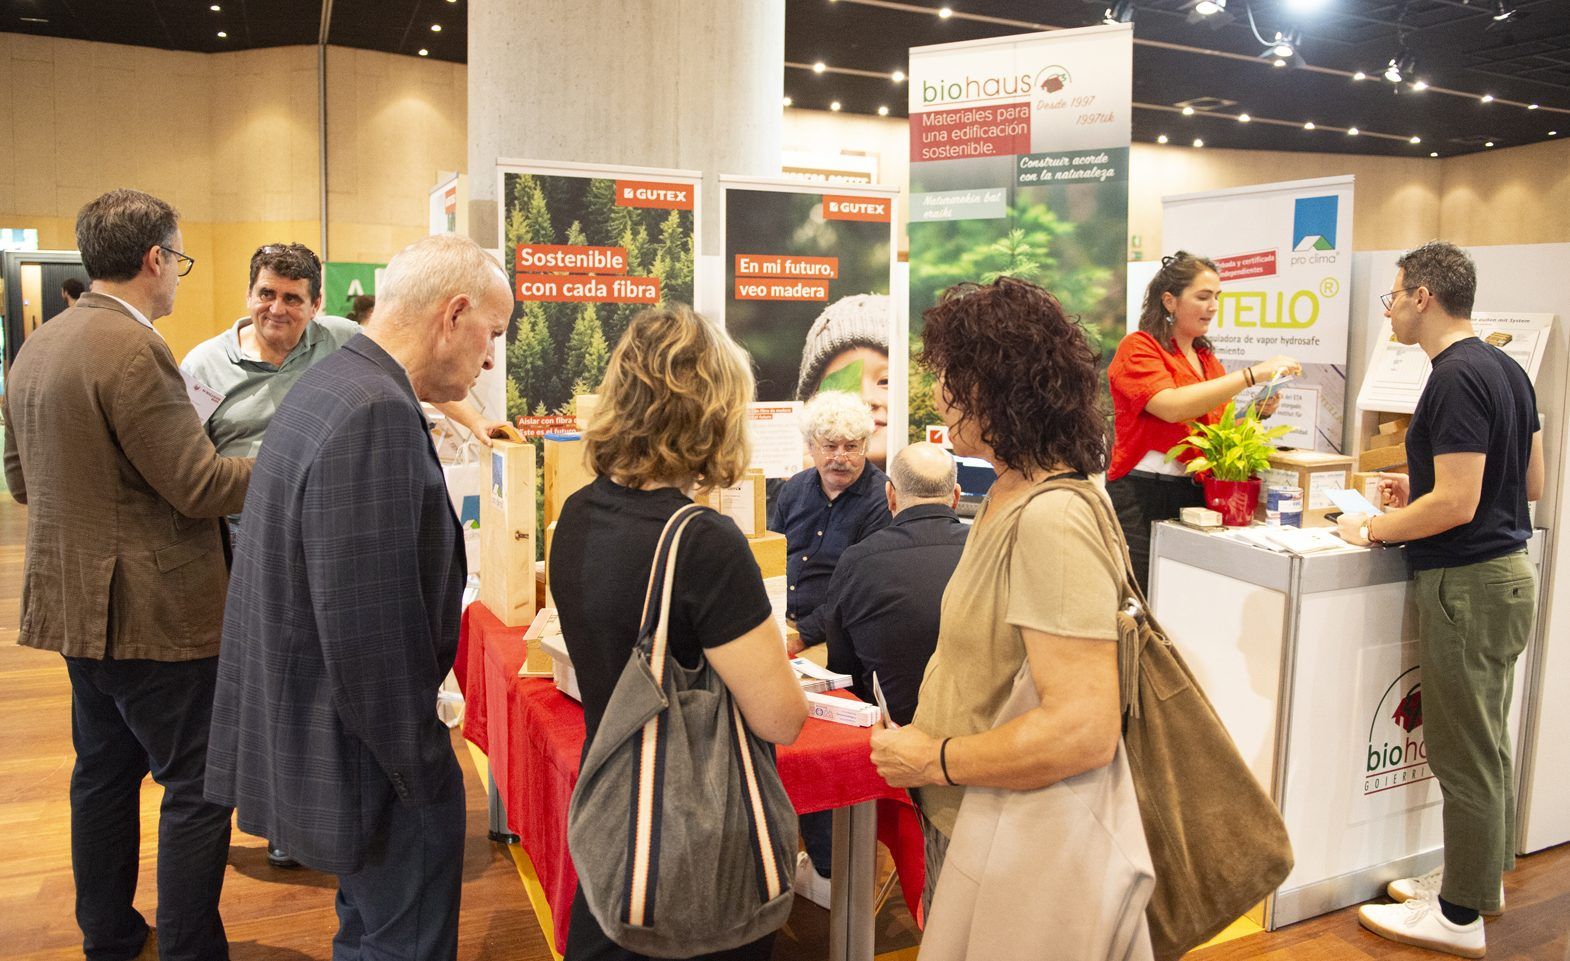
1169, 318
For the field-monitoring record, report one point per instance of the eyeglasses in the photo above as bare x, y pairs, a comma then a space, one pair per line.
185, 263
850, 448
1390, 298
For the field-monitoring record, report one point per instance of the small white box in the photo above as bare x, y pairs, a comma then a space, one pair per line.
561, 666
841, 710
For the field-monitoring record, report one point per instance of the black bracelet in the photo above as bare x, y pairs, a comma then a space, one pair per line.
1248, 375
943, 760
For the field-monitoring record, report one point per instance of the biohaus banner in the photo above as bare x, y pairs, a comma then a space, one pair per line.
1019, 167
1285, 253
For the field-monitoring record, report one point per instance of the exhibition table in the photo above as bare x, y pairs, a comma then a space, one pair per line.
1311, 662
533, 736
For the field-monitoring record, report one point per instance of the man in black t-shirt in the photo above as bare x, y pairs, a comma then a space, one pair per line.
1476, 459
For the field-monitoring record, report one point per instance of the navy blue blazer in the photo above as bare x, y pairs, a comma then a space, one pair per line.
342, 617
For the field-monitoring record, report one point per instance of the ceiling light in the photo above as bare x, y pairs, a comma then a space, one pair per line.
1305, 5
1420, 86
1280, 62
424, 52
944, 13
1416, 139
1120, 12
1433, 153
1285, 44
1360, 75
819, 67
1487, 98
1403, 64
1243, 118
436, 28
834, 106
1309, 125
1502, 11
215, 8
1531, 106
1553, 133
897, 76
1207, 8
883, 111
223, 35
786, 101
1198, 142
1163, 138
1488, 143
1352, 131
1188, 111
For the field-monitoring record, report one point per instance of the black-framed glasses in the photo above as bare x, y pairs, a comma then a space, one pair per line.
1389, 299
186, 263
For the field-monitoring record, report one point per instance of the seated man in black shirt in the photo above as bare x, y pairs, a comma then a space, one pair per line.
881, 614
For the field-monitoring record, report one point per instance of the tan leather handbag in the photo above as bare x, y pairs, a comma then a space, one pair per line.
1216, 839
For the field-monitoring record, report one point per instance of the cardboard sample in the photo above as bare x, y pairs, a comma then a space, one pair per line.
565, 473
1315, 472
1384, 458
507, 534
745, 503
769, 552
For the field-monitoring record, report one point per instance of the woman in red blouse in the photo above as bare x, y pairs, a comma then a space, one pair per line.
1163, 376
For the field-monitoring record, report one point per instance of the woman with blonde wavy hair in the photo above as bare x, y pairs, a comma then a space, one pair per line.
671, 418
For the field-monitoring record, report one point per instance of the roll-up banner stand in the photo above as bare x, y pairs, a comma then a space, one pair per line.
808, 284
586, 247
1285, 253
1019, 167
447, 209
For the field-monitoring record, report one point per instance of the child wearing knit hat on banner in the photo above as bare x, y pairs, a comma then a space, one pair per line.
847, 349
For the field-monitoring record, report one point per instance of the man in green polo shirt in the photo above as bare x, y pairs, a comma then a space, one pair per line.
256, 361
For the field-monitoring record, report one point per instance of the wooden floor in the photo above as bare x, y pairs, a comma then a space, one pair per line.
274, 915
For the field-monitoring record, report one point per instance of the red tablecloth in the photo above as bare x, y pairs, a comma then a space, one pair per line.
533, 735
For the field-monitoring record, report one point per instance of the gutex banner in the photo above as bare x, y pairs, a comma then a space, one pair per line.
586, 247
808, 276
1019, 167
1285, 253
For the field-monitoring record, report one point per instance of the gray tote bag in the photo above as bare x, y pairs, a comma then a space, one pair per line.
680, 829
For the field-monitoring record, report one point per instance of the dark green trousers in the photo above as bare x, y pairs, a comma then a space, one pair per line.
1473, 622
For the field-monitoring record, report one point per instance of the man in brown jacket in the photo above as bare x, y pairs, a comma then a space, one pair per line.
125, 576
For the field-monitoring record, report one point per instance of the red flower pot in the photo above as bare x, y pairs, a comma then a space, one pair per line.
1235, 501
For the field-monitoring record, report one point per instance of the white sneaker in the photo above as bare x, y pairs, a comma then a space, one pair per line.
809, 883
1419, 922
1426, 886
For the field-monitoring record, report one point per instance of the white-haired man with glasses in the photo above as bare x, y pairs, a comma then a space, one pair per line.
822, 510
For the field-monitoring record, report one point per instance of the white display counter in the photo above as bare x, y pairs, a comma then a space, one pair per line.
1311, 662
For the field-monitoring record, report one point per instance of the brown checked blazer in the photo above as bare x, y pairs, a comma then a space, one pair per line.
125, 492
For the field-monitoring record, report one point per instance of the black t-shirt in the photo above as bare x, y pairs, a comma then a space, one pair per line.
1477, 401
600, 559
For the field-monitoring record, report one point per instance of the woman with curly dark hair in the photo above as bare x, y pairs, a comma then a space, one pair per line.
1029, 615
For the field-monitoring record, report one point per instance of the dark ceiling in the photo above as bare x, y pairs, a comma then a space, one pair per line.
1211, 63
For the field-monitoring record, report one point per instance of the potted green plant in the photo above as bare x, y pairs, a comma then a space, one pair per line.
1229, 455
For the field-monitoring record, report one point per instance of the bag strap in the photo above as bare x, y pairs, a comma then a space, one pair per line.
654, 629
1132, 603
